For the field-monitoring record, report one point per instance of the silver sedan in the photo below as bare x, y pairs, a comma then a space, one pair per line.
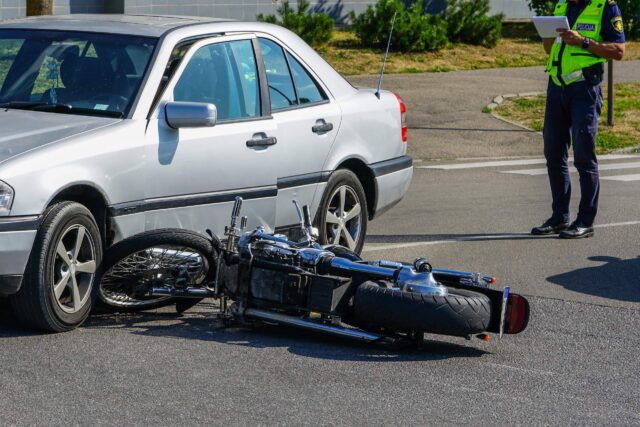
111, 125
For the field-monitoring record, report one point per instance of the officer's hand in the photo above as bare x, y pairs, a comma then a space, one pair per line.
570, 37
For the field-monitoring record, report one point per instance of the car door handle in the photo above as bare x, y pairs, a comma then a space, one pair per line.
262, 140
322, 127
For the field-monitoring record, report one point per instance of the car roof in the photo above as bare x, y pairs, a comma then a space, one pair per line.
139, 25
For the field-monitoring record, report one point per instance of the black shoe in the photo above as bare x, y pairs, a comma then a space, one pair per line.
550, 226
577, 230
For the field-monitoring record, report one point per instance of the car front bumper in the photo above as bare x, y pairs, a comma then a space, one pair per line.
17, 235
393, 178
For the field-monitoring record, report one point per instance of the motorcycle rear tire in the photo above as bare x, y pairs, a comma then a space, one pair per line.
461, 313
186, 240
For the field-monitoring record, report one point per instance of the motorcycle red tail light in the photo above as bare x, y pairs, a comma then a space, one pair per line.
403, 117
517, 314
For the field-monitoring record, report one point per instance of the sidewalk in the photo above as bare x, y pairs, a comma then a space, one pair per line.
445, 110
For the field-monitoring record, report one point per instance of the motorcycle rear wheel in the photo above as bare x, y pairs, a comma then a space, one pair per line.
153, 259
461, 313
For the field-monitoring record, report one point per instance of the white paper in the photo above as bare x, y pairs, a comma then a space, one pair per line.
547, 25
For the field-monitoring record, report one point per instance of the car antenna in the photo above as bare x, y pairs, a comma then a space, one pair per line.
386, 54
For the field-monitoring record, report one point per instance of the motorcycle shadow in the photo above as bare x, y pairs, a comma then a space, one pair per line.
197, 326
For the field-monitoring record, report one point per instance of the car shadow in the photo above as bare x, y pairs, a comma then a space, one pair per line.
615, 279
296, 341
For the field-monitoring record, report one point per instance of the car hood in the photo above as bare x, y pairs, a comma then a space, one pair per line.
22, 131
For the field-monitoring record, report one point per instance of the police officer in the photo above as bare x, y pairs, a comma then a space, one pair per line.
574, 101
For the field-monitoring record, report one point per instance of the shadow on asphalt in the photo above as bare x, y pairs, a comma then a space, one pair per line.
410, 238
204, 327
296, 341
616, 279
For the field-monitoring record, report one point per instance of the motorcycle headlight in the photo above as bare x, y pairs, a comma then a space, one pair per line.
6, 198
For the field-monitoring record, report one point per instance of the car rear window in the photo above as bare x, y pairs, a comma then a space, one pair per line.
308, 89
281, 89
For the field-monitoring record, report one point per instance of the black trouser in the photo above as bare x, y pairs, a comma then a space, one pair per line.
571, 116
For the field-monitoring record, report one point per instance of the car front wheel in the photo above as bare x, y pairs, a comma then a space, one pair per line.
59, 286
342, 215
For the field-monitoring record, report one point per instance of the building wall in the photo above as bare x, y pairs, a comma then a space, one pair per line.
233, 9
10, 9
512, 9
65, 7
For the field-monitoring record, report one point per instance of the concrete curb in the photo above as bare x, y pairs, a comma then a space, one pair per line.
500, 99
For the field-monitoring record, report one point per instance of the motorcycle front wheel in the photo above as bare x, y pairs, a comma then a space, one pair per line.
461, 313
157, 258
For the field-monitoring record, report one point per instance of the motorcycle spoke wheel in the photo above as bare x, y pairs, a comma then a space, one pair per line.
127, 283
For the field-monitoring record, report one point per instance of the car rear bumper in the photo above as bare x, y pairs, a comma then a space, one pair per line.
17, 235
393, 178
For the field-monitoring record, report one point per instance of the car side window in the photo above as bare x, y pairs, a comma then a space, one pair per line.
308, 90
9, 49
281, 90
224, 74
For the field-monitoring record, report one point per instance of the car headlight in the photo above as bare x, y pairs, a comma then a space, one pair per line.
6, 198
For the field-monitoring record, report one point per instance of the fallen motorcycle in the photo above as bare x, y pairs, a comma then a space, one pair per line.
328, 289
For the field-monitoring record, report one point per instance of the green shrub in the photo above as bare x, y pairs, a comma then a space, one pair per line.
314, 28
414, 29
631, 17
468, 22
542, 7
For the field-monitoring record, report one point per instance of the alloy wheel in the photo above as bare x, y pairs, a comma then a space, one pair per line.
344, 218
73, 269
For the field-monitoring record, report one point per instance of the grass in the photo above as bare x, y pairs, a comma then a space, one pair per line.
349, 57
625, 133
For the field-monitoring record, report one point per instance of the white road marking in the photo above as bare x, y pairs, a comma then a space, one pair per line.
505, 236
522, 162
625, 178
496, 163
616, 224
602, 167
528, 370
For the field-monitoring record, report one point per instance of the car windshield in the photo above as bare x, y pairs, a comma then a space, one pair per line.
72, 72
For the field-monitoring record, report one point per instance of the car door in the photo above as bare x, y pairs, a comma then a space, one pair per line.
194, 174
307, 122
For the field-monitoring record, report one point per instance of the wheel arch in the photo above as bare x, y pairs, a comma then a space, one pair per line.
90, 197
368, 180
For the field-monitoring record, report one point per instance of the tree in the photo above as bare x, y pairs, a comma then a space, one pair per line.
39, 7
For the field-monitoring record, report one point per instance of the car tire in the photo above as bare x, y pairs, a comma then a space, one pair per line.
342, 215
59, 285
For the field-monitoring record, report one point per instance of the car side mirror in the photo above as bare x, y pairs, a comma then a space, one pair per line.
190, 114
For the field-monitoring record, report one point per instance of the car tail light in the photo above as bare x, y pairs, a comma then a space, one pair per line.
403, 117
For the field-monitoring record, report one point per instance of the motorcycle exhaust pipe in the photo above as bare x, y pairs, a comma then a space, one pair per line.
313, 326
183, 293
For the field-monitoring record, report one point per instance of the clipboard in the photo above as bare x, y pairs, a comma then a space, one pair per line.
547, 25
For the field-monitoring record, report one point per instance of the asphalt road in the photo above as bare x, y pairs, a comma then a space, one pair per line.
577, 362
444, 110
